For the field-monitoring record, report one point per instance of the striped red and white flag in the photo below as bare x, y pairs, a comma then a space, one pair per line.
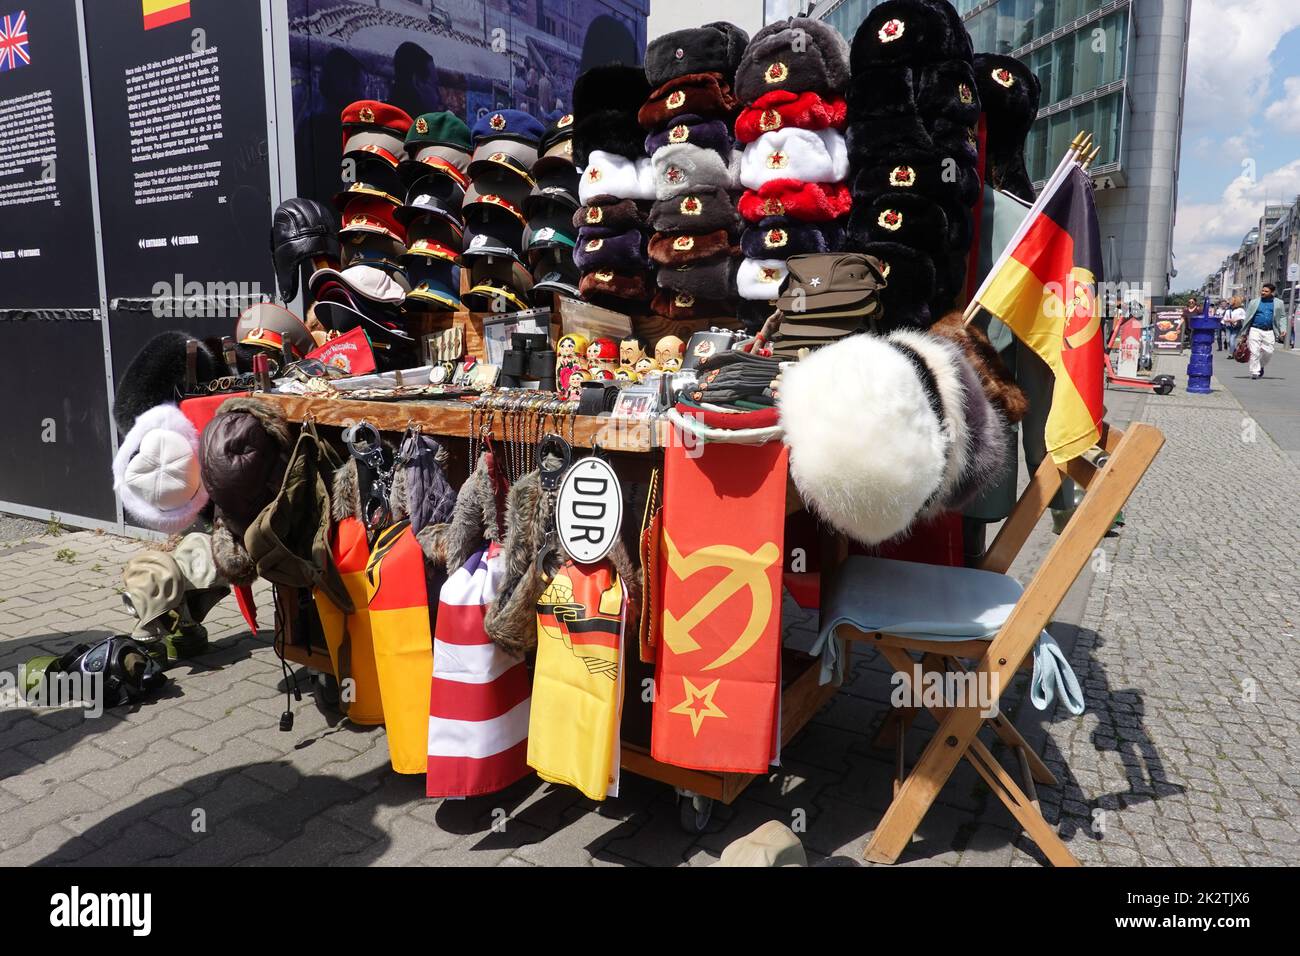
479, 699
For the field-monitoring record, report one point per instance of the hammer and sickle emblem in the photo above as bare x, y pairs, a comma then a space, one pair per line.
1082, 319
745, 570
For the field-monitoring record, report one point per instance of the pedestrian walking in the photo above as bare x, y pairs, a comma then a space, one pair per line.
1192, 308
1220, 313
1234, 318
1264, 322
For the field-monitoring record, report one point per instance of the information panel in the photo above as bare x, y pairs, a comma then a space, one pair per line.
179, 97
47, 238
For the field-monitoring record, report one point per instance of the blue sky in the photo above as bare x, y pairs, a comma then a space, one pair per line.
1241, 126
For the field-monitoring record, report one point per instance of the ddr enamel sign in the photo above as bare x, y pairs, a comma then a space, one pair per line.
589, 510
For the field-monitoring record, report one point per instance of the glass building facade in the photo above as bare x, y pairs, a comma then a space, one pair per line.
1077, 48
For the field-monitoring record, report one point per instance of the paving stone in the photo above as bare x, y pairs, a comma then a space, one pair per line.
40, 847
124, 776
232, 842
148, 801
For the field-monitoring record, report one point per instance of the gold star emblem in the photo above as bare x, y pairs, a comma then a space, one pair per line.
776, 73
367, 114
422, 125
679, 134
497, 122
769, 120
675, 99
698, 704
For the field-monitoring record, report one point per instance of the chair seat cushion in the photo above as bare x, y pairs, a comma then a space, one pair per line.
920, 600
937, 603
940, 604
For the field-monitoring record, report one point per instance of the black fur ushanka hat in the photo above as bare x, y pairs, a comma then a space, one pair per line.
920, 172
911, 32
905, 219
1009, 92
605, 103
909, 275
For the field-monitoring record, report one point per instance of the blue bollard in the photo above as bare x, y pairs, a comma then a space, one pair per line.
1201, 364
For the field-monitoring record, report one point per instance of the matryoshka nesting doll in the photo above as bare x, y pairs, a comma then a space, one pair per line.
573, 387
669, 352
570, 352
602, 356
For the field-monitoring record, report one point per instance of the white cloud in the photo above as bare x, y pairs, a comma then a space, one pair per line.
1231, 46
1284, 114
1207, 232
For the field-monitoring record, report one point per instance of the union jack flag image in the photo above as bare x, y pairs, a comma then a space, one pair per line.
13, 41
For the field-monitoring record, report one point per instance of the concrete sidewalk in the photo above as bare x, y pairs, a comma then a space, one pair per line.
1185, 755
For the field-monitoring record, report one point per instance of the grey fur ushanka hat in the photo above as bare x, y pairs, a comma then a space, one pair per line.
799, 54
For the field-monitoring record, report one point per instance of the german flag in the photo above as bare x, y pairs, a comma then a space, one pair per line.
159, 13
1045, 290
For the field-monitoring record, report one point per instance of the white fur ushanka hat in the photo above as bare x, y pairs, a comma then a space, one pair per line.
810, 156
156, 470
885, 431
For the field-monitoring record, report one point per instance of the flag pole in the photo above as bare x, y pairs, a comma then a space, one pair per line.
1079, 147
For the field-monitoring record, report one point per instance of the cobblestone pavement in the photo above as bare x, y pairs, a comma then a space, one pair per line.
1185, 755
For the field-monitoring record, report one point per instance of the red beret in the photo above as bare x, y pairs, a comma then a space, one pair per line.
782, 108
813, 202
375, 115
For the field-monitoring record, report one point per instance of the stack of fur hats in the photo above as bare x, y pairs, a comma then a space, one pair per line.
687, 117
914, 109
791, 81
615, 189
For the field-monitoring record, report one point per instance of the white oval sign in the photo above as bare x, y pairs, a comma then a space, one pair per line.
589, 510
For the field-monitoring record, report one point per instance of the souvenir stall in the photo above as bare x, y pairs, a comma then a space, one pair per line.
581, 404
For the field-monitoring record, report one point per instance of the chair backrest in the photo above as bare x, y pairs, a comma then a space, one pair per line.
1109, 475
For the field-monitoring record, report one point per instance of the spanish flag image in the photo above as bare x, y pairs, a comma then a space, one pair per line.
1044, 288
159, 13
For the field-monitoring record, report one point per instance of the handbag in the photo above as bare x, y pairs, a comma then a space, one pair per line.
1242, 351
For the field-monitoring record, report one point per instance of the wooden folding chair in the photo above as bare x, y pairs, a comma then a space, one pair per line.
1109, 475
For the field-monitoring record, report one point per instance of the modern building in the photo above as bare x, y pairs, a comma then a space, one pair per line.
1116, 68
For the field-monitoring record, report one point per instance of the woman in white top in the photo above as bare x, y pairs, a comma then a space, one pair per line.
1233, 319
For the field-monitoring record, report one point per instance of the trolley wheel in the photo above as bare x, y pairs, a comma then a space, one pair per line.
694, 812
1164, 388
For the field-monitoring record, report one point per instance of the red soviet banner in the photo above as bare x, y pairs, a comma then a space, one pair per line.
718, 672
